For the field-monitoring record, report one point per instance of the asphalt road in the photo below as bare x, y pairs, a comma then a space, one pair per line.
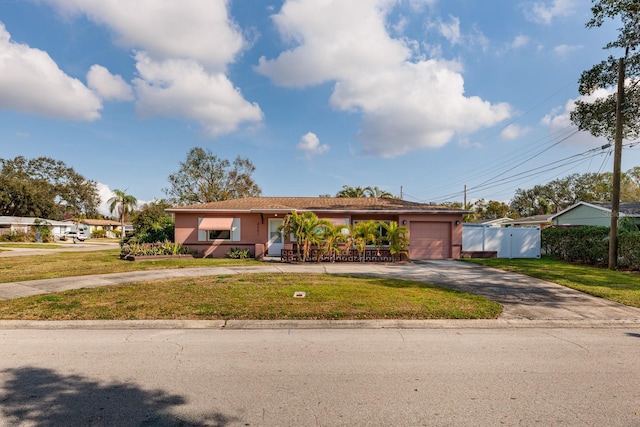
354, 377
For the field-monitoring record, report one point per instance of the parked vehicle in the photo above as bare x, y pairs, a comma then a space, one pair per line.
74, 235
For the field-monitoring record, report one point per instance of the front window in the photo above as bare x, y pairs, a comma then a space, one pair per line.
219, 234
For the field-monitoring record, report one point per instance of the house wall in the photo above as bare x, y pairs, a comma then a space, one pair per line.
584, 215
253, 230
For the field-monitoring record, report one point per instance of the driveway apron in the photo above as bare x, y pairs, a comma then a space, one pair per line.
524, 297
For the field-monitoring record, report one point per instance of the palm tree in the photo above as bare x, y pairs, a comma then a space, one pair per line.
332, 237
307, 229
125, 203
293, 224
378, 193
348, 191
397, 238
365, 233
369, 191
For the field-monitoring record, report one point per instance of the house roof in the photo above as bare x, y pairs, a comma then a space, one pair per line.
316, 204
534, 219
626, 208
21, 220
99, 222
495, 221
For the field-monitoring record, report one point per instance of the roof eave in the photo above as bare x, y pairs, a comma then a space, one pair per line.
322, 210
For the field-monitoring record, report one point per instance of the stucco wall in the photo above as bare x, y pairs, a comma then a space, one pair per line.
252, 230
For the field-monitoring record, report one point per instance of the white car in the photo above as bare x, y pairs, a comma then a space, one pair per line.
74, 235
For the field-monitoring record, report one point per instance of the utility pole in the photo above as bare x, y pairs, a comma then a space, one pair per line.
465, 197
617, 160
401, 193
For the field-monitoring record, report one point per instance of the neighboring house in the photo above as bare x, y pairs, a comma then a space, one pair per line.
15, 224
252, 223
595, 213
542, 221
89, 226
496, 222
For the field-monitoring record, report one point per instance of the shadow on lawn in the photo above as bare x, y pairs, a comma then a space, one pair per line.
43, 397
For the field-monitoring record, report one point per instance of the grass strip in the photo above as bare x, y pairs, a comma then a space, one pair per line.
256, 297
618, 286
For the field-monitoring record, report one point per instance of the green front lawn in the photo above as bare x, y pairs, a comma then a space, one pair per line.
619, 286
67, 264
256, 296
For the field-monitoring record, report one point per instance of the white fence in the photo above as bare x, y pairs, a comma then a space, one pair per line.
509, 242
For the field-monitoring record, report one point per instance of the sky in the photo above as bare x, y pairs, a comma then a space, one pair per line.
417, 97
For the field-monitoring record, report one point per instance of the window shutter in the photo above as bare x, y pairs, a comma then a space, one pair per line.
235, 230
202, 234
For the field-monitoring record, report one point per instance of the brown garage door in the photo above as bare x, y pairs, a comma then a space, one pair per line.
430, 240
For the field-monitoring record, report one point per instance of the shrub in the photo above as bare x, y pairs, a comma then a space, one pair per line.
98, 234
588, 244
157, 248
18, 236
239, 253
629, 250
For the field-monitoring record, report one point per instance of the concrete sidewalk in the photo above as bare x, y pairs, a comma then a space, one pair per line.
524, 298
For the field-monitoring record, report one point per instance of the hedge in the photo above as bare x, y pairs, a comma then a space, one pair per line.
590, 245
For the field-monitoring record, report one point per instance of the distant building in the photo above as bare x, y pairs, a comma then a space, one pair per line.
595, 213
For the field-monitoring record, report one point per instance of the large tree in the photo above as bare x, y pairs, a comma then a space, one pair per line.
45, 187
598, 116
204, 177
492, 209
561, 193
152, 224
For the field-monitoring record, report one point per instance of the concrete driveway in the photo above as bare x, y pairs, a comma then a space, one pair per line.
523, 297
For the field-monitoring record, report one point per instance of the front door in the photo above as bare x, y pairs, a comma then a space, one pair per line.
276, 242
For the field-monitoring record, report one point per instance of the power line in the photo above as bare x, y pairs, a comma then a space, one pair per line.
570, 160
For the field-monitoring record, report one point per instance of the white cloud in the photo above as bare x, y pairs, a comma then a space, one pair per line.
31, 82
107, 85
544, 13
563, 50
450, 30
558, 121
520, 41
105, 193
514, 131
188, 29
183, 48
184, 89
356, 40
419, 5
405, 105
310, 144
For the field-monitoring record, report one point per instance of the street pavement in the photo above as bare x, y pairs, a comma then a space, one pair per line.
320, 377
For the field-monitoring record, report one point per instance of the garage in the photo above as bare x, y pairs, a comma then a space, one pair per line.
430, 240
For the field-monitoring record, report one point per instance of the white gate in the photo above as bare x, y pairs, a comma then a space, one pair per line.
508, 242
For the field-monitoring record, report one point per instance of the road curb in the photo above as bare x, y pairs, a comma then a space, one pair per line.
316, 324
